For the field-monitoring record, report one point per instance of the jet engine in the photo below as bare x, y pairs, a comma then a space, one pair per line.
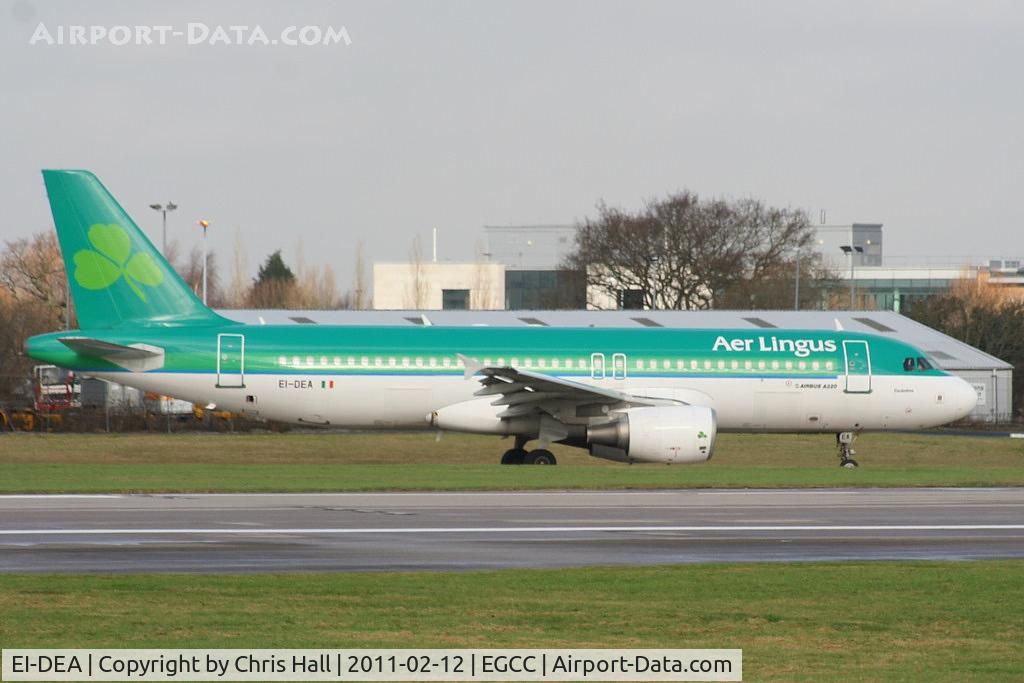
666, 434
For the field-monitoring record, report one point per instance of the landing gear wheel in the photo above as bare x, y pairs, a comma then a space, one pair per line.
513, 456
541, 457
844, 443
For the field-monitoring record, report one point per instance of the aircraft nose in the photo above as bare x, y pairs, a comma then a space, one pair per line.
964, 396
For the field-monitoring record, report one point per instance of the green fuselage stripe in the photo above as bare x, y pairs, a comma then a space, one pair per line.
581, 352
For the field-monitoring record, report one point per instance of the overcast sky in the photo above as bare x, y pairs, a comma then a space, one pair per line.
461, 114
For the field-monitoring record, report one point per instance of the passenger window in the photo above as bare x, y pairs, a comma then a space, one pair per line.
908, 364
923, 364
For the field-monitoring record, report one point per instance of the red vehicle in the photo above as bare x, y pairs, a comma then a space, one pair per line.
54, 389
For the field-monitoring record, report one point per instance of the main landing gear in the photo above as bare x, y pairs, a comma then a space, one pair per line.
520, 456
844, 442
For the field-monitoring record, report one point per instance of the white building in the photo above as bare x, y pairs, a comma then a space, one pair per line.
438, 286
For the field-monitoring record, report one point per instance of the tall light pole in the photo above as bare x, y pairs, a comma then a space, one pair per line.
164, 208
204, 224
850, 250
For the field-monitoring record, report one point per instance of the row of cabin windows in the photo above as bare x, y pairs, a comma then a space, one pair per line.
554, 363
667, 364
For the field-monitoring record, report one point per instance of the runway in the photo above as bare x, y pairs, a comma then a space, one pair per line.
462, 531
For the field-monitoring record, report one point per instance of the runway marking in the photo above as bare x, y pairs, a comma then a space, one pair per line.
517, 530
805, 492
46, 496
435, 493
516, 494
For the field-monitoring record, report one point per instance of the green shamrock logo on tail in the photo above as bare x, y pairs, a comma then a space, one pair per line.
112, 258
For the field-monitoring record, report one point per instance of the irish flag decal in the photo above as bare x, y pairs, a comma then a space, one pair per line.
327, 384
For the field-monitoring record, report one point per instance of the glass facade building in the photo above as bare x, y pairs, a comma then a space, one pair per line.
533, 256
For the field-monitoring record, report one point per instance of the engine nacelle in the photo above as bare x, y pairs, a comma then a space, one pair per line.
480, 417
664, 434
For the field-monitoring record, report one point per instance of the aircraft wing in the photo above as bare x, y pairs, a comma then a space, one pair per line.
526, 392
134, 357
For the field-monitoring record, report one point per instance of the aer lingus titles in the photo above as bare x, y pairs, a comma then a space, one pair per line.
800, 348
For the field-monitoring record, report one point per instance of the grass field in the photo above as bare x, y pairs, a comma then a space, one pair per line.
360, 461
805, 621
854, 621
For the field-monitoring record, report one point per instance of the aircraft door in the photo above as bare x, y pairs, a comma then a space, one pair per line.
597, 366
619, 366
858, 366
230, 360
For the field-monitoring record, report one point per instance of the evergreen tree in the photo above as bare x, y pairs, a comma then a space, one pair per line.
274, 269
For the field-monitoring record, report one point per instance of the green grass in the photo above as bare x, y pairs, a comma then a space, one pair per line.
33, 463
853, 621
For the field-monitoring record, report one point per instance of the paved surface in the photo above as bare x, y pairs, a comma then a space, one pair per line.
442, 531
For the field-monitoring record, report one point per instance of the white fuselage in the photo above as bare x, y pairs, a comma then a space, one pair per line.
741, 404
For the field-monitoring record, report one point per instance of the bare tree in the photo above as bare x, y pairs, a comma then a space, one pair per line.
238, 290
33, 300
32, 269
417, 295
316, 288
985, 315
481, 294
19, 320
360, 295
682, 252
190, 268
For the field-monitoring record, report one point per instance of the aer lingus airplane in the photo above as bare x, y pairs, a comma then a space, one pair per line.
643, 395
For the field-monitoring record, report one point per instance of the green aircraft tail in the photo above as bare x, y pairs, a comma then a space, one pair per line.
116, 274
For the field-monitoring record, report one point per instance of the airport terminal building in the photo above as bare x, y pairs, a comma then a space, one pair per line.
522, 269
991, 377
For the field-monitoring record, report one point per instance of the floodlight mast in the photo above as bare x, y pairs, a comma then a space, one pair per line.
849, 250
204, 224
164, 208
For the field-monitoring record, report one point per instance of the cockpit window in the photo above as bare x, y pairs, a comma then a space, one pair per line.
923, 364
908, 364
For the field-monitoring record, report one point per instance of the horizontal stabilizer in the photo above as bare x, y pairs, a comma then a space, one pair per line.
134, 357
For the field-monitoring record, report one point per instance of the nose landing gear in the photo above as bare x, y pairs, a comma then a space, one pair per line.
844, 443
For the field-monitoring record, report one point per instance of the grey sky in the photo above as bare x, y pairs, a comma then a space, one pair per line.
460, 114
